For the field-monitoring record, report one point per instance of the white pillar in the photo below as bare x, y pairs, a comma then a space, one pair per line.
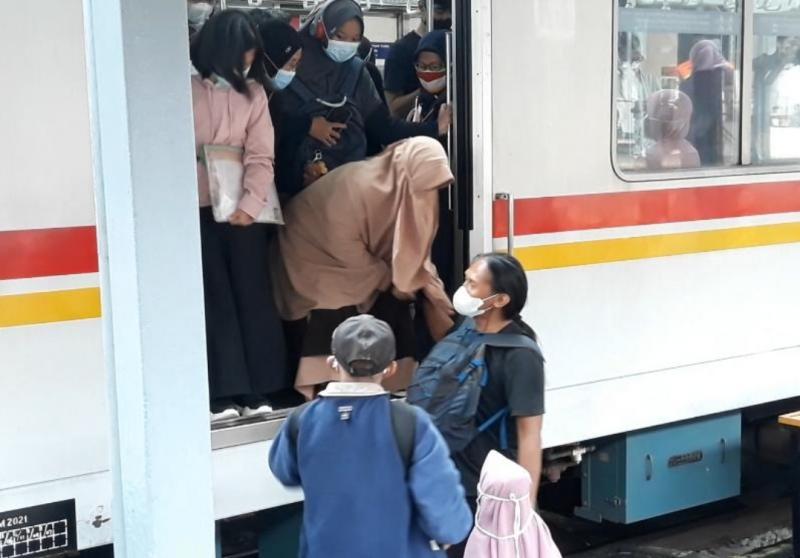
138, 65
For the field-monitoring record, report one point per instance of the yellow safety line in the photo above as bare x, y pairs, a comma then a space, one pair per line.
570, 254
46, 307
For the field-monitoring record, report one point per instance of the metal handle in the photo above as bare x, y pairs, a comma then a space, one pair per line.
507, 197
449, 101
723, 446
648, 467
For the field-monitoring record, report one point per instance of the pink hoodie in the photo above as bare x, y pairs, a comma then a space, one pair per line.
222, 116
506, 526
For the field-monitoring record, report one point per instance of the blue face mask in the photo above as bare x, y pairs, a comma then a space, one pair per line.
341, 51
281, 80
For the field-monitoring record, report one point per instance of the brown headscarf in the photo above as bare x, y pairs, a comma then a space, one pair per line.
669, 115
361, 229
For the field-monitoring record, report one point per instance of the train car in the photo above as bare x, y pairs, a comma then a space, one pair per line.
664, 293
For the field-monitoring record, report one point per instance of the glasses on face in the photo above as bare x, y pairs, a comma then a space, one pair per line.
429, 67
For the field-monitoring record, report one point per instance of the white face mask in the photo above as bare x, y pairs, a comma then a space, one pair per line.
341, 51
199, 13
467, 305
435, 86
281, 80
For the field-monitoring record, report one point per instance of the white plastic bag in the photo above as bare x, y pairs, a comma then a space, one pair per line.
225, 185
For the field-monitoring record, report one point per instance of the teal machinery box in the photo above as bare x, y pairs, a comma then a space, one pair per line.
654, 472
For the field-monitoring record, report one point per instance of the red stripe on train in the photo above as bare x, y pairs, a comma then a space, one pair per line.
47, 252
623, 209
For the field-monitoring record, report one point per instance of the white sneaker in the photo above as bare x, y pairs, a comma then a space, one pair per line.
261, 410
225, 414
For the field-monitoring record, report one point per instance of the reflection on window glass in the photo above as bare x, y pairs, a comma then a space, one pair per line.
776, 81
676, 92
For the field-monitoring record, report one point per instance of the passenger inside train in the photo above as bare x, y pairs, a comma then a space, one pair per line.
402, 84
358, 241
669, 116
431, 68
246, 348
709, 87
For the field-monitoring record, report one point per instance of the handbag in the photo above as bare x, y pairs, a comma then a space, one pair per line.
225, 167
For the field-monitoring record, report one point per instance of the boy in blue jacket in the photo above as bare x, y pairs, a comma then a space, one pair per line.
376, 474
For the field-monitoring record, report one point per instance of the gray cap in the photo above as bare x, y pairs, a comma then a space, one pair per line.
366, 340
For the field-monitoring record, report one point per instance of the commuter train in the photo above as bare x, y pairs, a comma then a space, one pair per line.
666, 300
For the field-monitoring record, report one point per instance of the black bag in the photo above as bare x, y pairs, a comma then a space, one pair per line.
353, 144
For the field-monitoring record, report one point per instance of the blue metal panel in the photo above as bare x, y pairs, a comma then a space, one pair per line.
654, 472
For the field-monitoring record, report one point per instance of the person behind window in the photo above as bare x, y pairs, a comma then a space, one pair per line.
340, 100
634, 86
711, 75
246, 349
767, 69
669, 115
402, 85
358, 241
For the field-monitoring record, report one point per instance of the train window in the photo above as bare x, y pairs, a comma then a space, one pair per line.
776, 82
676, 84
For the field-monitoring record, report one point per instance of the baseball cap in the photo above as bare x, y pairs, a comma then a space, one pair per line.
364, 340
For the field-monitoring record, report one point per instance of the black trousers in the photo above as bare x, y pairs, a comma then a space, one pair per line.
244, 335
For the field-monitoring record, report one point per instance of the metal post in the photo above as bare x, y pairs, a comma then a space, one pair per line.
795, 480
747, 85
146, 197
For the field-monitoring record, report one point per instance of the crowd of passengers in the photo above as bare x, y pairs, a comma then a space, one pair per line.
348, 301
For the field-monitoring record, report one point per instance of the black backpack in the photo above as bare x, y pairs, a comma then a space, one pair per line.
404, 427
353, 144
448, 383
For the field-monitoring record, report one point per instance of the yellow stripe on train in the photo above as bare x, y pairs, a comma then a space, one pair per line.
52, 306
570, 254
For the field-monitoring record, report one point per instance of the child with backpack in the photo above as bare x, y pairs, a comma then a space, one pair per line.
376, 474
483, 384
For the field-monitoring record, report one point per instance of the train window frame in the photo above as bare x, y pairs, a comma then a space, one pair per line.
745, 166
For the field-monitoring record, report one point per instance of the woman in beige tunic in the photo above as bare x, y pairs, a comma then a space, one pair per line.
358, 240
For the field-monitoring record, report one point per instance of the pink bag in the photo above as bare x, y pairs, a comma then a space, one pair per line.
506, 525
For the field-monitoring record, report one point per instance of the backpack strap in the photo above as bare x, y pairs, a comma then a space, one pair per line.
501, 416
512, 340
353, 75
301, 90
293, 422
404, 427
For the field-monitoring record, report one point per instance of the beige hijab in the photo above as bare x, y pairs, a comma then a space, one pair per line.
361, 229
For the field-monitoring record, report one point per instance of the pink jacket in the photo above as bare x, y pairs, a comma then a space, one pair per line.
506, 526
223, 116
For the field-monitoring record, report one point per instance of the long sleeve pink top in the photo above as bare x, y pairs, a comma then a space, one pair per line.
222, 116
